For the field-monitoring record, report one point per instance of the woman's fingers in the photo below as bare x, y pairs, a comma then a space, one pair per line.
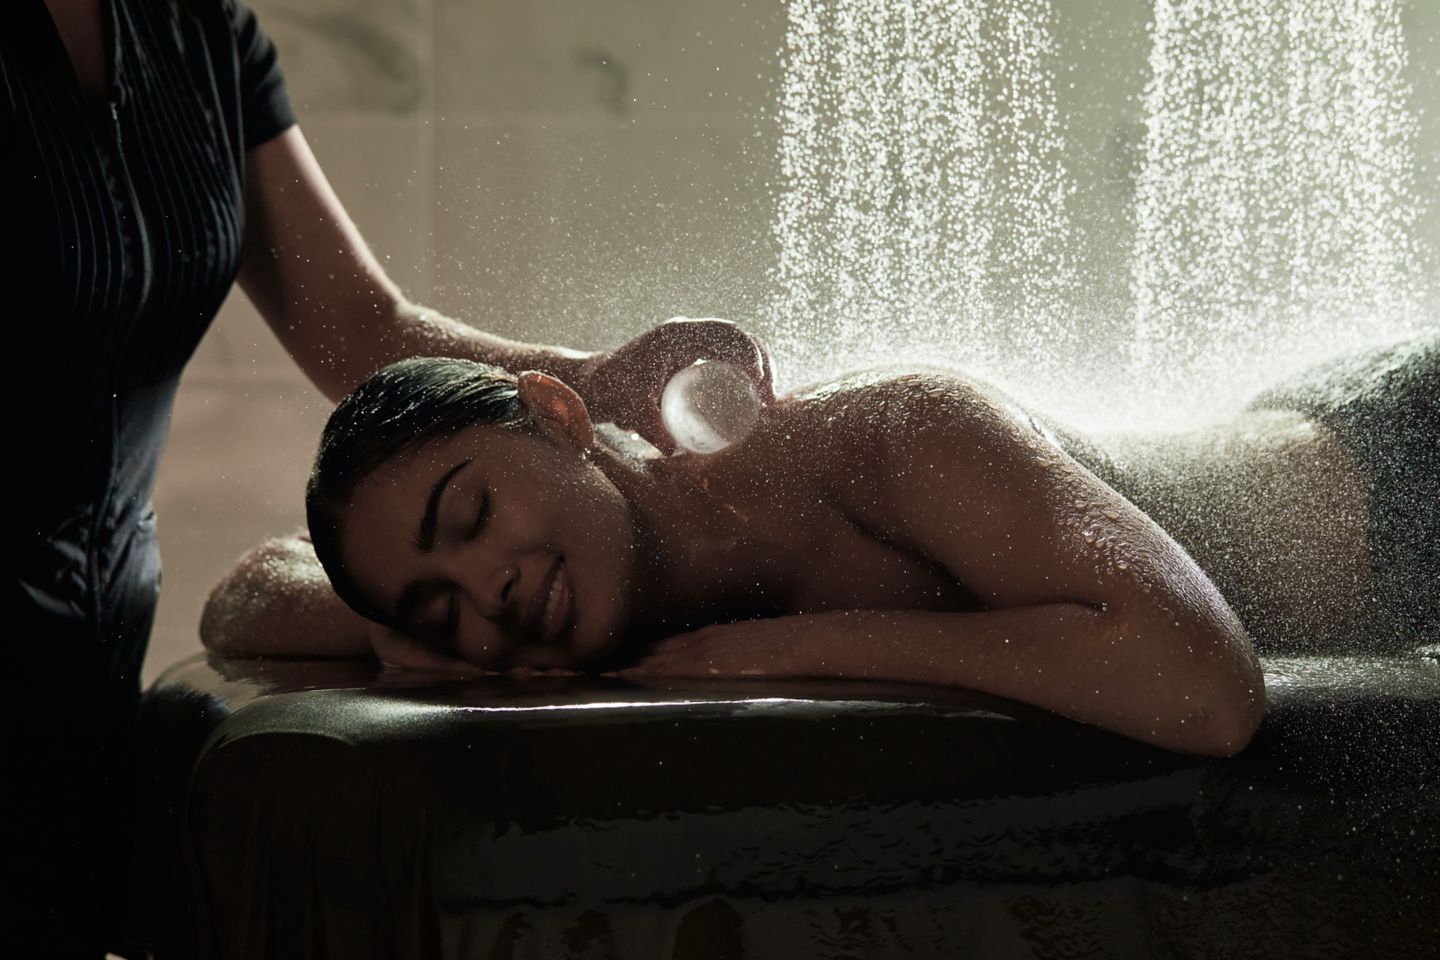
749, 648
395, 649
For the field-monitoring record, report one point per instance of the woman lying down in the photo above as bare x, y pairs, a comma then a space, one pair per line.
919, 529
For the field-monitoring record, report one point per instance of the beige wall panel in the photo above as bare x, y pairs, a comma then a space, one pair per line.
1421, 20
605, 57
352, 55
583, 232
235, 474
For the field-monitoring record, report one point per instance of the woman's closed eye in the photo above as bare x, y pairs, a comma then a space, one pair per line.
481, 514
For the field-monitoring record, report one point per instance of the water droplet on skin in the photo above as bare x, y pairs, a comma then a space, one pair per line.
1089, 535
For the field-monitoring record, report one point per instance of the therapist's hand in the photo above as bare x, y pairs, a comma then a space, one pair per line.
624, 385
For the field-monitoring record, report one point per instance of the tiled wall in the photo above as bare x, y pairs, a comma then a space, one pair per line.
568, 171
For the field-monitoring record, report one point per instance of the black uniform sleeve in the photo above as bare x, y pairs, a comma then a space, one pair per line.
264, 101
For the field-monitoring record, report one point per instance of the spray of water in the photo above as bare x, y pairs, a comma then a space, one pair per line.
926, 213
924, 191
1275, 209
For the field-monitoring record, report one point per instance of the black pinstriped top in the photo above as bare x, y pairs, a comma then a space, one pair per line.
125, 219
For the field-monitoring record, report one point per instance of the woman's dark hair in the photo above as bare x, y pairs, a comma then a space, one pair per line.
399, 408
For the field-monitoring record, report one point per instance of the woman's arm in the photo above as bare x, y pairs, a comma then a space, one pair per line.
1062, 657
277, 602
1095, 612
310, 274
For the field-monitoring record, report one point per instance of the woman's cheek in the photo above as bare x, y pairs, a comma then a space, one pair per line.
479, 652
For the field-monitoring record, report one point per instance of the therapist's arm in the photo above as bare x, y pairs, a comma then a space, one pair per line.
320, 289
310, 274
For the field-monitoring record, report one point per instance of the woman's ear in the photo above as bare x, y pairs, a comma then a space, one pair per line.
556, 408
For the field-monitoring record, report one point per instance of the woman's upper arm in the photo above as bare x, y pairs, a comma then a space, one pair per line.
968, 480
277, 602
1093, 610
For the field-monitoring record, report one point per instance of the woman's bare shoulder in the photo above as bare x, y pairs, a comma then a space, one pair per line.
864, 436
880, 382
871, 408
838, 438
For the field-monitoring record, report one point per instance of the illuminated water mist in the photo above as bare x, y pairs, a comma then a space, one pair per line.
927, 209
1275, 205
925, 194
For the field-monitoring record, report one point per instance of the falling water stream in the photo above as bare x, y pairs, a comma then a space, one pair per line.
928, 208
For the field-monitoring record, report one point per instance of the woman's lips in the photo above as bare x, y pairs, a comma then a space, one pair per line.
554, 615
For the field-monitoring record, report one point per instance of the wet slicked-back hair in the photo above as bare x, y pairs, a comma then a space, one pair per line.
399, 408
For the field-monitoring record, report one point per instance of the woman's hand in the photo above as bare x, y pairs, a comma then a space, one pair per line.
811, 645
397, 651
624, 385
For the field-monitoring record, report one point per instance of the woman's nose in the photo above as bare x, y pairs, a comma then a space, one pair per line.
492, 588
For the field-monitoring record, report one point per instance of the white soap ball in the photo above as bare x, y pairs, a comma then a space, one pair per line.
709, 405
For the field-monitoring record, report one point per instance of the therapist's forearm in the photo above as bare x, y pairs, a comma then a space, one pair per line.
367, 340
327, 297
415, 330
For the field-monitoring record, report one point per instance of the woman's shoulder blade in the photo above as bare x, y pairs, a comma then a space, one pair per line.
875, 409
845, 434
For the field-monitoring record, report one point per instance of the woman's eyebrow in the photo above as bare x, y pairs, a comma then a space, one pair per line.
425, 537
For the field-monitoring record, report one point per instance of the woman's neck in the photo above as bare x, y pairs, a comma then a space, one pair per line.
699, 558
